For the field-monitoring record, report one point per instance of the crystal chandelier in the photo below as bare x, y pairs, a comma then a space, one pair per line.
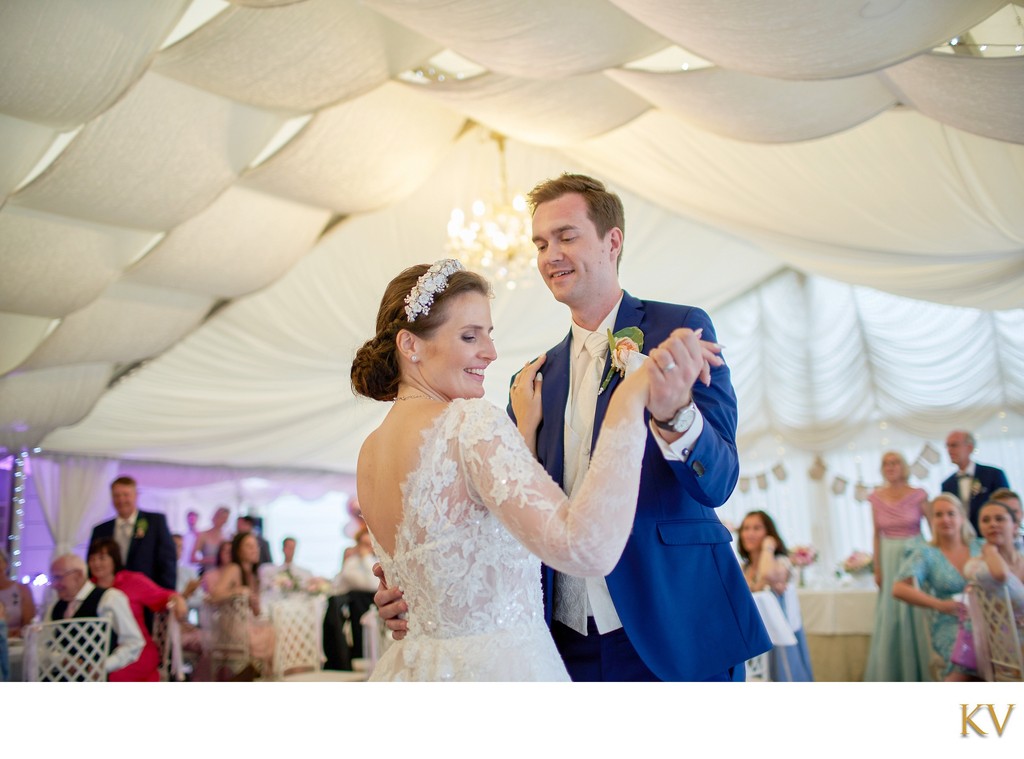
495, 237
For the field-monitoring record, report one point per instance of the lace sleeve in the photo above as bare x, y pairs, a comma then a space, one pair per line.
584, 536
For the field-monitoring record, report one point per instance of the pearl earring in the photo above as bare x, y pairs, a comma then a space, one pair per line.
415, 358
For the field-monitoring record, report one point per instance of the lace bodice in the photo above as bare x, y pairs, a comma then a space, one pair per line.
479, 510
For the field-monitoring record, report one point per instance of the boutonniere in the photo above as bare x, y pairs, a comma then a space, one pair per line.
620, 344
976, 487
140, 528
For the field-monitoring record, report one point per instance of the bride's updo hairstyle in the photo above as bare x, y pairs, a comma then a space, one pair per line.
375, 370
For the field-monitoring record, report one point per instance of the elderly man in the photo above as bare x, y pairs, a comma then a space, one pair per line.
972, 483
143, 536
78, 597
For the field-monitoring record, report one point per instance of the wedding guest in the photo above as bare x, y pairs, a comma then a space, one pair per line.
766, 566
204, 552
143, 536
999, 565
296, 574
20, 607
357, 583
222, 559
107, 571
1012, 500
77, 596
189, 538
459, 508
189, 582
972, 483
240, 577
938, 569
899, 646
246, 525
357, 566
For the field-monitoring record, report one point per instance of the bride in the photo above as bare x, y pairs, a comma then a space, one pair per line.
460, 512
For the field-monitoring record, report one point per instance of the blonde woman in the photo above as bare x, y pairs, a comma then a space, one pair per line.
938, 568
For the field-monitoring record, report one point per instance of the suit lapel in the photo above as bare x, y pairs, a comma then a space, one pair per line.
631, 314
555, 397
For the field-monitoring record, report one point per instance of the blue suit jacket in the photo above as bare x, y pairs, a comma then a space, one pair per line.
152, 554
989, 478
678, 587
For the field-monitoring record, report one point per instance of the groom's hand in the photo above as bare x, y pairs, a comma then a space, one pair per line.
390, 605
682, 359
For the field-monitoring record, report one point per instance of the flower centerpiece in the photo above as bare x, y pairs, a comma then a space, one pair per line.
317, 586
801, 557
859, 563
283, 582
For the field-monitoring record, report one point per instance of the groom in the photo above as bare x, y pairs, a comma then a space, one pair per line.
676, 607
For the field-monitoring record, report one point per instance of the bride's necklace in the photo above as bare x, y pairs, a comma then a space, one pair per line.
414, 396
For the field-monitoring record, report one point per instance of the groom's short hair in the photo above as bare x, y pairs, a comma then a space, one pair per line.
604, 208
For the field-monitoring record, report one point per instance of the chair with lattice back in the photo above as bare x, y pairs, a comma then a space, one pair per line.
69, 650
298, 633
167, 638
996, 639
757, 670
225, 628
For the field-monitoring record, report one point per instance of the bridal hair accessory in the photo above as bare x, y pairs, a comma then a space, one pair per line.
432, 282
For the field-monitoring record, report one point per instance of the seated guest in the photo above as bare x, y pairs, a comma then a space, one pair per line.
294, 575
938, 568
239, 578
221, 560
356, 584
245, 525
78, 597
1000, 563
357, 566
17, 600
1012, 500
766, 566
107, 571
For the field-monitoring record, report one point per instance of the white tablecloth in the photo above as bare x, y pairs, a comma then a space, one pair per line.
839, 611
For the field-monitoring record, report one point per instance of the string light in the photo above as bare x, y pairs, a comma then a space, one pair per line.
19, 510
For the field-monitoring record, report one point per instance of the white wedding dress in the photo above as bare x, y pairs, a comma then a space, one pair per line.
478, 511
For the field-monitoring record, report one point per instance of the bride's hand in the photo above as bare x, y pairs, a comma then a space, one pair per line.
525, 396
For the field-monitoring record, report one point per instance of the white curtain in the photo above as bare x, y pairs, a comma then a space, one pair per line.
73, 492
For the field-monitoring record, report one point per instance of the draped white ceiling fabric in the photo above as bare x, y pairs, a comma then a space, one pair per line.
203, 201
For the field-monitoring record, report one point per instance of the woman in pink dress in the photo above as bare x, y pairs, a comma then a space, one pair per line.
900, 649
107, 571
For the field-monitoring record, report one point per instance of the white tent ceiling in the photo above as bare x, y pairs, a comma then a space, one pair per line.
203, 202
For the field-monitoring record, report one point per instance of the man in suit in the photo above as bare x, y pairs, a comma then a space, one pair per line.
299, 575
972, 483
676, 607
143, 536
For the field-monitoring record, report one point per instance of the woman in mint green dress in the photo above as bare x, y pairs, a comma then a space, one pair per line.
938, 569
900, 651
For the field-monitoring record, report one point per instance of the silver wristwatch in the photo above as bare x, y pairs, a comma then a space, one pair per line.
682, 421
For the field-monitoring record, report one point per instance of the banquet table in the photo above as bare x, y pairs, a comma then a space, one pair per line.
838, 623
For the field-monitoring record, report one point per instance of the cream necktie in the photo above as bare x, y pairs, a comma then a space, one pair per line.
571, 592
124, 539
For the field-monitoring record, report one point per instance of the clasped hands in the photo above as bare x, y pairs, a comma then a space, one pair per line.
679, 361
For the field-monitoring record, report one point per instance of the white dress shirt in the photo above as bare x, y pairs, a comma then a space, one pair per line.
114, 606
356, 574
268, 572
599, 599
